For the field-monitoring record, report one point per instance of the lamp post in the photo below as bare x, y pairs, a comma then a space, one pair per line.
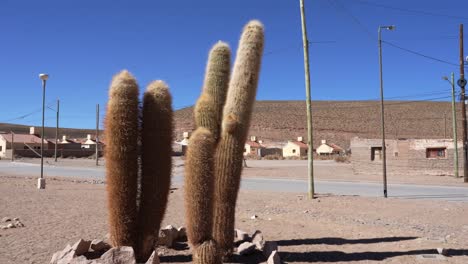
384, 160
41, 181
454, 123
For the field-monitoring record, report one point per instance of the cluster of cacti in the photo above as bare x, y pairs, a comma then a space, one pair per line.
138, 153
136, 223
215, 154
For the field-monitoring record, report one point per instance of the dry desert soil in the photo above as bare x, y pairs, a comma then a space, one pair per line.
329, 229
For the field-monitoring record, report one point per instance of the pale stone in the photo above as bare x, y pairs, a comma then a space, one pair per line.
181, 233
99, 245
18, 224
81, 247
246, 248
241, 236
254, 217
442, 251
119, 255
11, 226
257, 239
167, 236
269, 247
153, 259
80, 260
6, 219
274, 258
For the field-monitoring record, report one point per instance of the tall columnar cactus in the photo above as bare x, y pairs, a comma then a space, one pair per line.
121, 132
209, 108
199, 187
156, 164
234, 112
235, 125
133, 223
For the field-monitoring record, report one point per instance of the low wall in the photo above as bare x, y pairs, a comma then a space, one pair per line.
62, 153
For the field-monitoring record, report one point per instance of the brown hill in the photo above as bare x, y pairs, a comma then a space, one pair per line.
336, 121
339, 121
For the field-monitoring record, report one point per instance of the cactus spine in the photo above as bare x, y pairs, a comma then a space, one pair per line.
133, 223
156, 137
199, 179
228, 120
236, 121
199, 187
209, 108
121, 132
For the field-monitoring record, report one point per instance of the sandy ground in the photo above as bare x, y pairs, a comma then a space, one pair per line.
329, 229
336, 229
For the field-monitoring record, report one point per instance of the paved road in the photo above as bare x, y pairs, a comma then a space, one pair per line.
405, 191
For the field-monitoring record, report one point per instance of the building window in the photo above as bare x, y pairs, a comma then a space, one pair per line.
435, 153
1, 148
293, 151
376, 153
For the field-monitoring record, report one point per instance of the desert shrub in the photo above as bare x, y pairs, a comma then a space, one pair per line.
342, 159
252, 157
273, 157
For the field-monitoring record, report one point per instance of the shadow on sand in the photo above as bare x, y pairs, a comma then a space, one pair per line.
340, 241
339, 256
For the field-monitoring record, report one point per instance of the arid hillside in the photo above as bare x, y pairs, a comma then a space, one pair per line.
336, 121
339, 121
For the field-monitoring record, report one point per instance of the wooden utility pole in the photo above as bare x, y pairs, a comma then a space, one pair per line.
310, 141
454, 125
445, 126
462, 83
97, 135
57, 129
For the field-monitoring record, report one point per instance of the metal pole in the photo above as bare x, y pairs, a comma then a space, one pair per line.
308, 102
57, 129
384, 160
12, 147
454, 124
97, 135
42, 132
461, 82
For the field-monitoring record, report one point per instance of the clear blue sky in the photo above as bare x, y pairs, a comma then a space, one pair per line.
81, 44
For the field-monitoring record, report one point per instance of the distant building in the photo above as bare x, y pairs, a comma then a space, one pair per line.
66, 143
295, 148
90, 143
405, 156
329, 149
254, 147
14, 141
179, 148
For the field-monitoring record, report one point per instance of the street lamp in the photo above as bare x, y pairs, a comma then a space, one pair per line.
454, 123
384, 162
41, 181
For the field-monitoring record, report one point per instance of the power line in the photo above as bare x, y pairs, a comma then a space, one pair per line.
338, 5
410, 10
420, 54
26, 115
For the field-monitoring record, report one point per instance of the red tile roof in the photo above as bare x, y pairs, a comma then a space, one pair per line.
335, 147
23, 138
253, 144
301, 144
